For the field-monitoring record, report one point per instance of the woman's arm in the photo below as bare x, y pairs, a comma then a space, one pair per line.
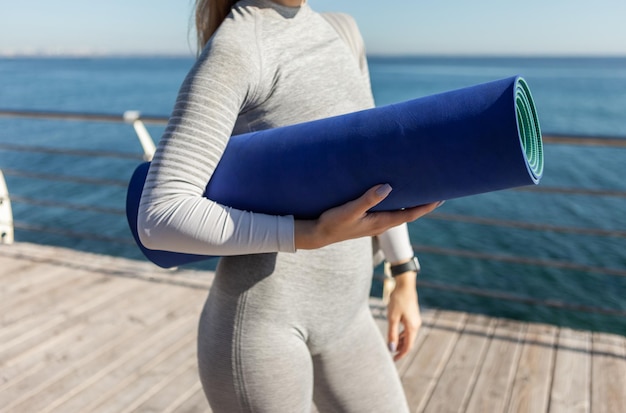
403, 313
173, 214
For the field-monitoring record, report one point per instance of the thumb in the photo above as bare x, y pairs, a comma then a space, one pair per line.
371, 198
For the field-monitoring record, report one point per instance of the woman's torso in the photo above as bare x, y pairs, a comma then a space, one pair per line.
307, 72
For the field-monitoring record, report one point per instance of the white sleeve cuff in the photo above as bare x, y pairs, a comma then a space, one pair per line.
286, 235
396, 244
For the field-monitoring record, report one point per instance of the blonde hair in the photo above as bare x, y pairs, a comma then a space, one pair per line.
209, 15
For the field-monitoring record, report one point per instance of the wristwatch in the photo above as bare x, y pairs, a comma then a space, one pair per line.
395, 270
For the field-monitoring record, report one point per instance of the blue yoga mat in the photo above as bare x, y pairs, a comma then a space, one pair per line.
463, 142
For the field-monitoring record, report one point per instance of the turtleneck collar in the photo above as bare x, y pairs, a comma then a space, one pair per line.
285, 11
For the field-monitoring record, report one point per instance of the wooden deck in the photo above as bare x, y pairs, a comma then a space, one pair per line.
86, 333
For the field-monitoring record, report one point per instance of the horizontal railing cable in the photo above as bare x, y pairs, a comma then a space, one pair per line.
432, 216
550, 138
72, 152
66, 205
504, 296
523, 225
65, 178
72, 234
572, 191
616, 142
77, 116
500, 295
518, 260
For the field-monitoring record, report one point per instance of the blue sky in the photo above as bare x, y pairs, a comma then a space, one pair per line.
488, 27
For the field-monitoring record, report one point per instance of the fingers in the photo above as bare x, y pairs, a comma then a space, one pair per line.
406, 341
352, 220
392, 334
411, 214
390, 219
401, 343
370, 199
376, 195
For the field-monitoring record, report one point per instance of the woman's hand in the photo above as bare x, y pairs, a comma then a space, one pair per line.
351, 220
403, 309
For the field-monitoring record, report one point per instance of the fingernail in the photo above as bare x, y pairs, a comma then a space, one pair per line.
383, 190
392, 347
440, 204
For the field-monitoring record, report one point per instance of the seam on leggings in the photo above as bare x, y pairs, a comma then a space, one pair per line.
244, 401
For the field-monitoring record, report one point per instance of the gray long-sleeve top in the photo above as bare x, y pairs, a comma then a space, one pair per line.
266, 66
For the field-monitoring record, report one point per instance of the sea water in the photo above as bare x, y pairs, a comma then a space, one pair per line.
574, 96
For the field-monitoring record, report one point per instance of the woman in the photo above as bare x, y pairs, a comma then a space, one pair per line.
287, 319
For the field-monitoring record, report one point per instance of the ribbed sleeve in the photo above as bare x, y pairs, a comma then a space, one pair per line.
173, 214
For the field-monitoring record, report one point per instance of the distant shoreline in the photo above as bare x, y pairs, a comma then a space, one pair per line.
376, 56
95, 56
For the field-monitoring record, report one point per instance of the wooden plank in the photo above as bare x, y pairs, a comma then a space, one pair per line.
134, 351
52, 330
195, 402
32, 359
423, 372
86, 382
608, 375
172, 392
97, 334
12, 269
572, 373
75, 337
495, 380
33, 285
19, 317
456, 383
112, 390
26, 276
13, 264
106, 265
531, 387
138, 385
24, 310
15, 251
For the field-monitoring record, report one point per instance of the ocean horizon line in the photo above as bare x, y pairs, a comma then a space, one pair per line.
374, 55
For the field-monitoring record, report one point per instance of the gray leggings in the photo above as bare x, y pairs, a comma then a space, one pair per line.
276, 344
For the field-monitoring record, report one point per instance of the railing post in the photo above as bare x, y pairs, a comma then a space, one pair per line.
132, 116
6, 215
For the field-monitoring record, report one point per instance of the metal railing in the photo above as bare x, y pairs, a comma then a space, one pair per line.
6, 213
138, 121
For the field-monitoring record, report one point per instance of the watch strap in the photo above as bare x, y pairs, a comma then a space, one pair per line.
412, 265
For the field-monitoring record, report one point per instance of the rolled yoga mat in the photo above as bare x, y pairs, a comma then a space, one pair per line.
473, 140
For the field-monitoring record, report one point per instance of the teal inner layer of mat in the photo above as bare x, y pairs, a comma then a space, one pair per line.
529, 130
